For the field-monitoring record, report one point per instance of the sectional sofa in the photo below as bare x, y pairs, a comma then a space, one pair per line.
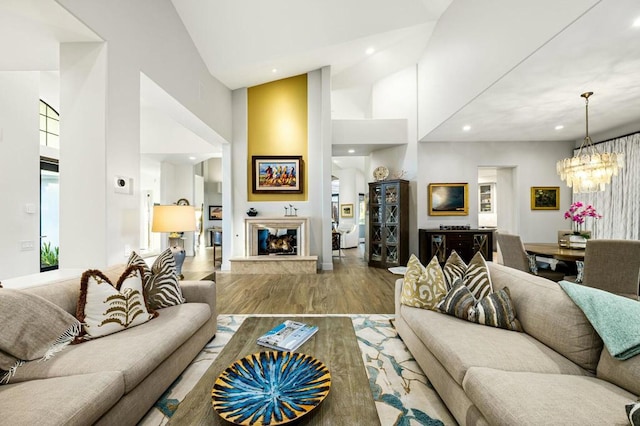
556, 372
116, 379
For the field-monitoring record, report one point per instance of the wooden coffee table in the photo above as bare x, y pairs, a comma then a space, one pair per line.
350, 401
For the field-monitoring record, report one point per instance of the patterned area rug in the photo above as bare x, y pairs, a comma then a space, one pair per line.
403, 394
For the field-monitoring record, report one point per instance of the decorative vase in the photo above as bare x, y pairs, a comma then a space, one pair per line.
578, 240
252, 212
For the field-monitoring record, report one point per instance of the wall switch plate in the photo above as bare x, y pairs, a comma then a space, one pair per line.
30, 208
26, 245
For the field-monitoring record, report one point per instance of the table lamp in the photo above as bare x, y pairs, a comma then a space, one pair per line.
174, 219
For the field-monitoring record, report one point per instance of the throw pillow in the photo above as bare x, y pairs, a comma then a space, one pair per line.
497, 310
161, 284
458, 302
580, 271
476, 277
423, 287
453, 268
533, 264
33, 327
105, 309
633, 413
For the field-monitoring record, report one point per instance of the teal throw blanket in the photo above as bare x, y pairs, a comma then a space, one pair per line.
615, 318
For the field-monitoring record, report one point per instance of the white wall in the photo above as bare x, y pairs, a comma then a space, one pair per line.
534, 164
19, 173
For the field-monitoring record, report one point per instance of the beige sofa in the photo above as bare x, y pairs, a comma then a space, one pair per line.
555, 373
116, 379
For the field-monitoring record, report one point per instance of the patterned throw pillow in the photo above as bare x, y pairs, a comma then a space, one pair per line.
453, 269
423, 287
533, 264
458, 302
105, 309
161, 284
580, 270
497, 310
477, 278
633, 413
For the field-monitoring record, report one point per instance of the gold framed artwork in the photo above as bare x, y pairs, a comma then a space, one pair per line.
277, 174
346, 210
545, 198
448, 199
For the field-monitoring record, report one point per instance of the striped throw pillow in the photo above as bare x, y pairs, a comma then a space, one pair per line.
458, 302
161, 284
476, 277
423, 287
453, 269
633, 413
497, 310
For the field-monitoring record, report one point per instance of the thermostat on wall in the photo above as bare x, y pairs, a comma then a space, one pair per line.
123, 185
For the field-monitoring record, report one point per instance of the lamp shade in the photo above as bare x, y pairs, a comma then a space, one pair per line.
173, 219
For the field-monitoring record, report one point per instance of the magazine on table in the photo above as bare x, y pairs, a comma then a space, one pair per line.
287, 336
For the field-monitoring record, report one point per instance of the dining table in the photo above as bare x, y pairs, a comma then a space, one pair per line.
554, 251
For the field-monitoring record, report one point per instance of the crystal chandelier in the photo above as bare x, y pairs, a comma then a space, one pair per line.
589, 170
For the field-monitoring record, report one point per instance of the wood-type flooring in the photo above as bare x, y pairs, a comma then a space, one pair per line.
351, 288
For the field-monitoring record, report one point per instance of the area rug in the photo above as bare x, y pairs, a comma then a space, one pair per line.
403, 395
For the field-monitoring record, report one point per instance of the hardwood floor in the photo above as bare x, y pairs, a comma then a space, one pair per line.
351, 288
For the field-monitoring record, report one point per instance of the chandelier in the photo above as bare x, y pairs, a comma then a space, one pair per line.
589, 170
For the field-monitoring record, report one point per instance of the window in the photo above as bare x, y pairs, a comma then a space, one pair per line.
49, 126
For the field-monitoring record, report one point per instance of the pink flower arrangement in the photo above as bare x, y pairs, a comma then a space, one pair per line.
578, 212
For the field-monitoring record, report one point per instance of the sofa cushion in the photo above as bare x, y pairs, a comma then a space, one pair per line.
496, 310
135, 352
625, 374
33, 327
73, 400
161, 283
526, 398
423, 287
105, 308
549, 315
460, 345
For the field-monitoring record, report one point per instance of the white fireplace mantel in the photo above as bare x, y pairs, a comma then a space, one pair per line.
253, 224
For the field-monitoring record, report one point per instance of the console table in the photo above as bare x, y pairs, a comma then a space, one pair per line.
466, 242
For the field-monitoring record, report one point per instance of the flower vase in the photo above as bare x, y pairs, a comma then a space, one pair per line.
578, 240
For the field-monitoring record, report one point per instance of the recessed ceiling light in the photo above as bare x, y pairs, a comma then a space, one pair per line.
636, 23
351, 151
559, 127
274, 70
370, 51
466, 128
192, 158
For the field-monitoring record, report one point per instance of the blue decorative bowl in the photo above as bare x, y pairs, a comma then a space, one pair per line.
270, 388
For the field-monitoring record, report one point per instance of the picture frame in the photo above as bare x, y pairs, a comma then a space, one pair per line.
346, 210
215, 212
277, 174
448, 199
545, 198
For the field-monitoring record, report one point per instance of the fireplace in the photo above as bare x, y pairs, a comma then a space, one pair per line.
277, 236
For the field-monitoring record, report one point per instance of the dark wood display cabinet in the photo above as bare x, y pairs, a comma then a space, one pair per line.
466, 242
388, 223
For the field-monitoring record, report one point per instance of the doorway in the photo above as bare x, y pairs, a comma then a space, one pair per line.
49, 214
497, 203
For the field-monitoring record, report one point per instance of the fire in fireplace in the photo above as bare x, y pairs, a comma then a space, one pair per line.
277, 241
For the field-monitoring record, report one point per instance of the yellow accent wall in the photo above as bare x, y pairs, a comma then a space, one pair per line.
277, 125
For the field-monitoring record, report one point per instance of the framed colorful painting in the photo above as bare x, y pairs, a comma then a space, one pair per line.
448, 199
545, 198
277, 174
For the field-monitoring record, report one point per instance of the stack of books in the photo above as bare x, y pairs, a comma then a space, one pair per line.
287, 336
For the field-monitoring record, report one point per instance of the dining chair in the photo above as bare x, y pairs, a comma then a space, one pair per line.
515, 256
613, 266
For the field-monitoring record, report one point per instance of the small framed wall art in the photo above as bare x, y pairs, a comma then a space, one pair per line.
545, 198
448, 199
277, 174
215, 212
346, 210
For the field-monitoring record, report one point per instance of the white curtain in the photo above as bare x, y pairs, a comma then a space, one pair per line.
619, 203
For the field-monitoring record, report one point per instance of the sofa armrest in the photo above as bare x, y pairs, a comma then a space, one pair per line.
200, 292
398, 292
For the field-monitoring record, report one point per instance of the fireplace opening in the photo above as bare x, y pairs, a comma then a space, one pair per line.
277, 241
